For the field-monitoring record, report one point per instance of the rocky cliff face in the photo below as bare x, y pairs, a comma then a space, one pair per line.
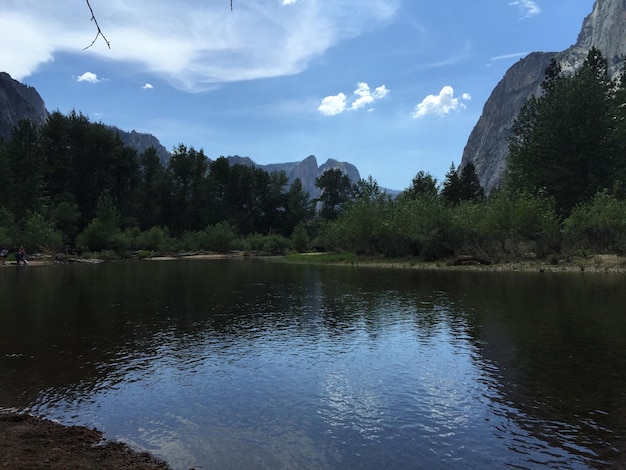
142, 142
17, 102
307, 170
487, 146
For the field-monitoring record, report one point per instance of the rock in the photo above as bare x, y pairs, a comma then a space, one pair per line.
18, 102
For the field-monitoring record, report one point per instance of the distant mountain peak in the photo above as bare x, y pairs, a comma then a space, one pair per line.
307, 170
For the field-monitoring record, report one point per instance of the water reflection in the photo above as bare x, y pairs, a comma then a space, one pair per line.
248, 364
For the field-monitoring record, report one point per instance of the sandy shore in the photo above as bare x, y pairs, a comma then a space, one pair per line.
28, 442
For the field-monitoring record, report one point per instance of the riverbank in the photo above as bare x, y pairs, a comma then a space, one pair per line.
29, 442
601, 263
592, 264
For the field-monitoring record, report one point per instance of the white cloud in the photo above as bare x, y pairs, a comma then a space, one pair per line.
289, 2
194, 45
527, 8
364, 98
147, 86
88, 77
440, 104
332, 105
514, 55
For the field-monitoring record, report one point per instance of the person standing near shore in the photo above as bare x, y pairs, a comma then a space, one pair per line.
3, 255
21, 256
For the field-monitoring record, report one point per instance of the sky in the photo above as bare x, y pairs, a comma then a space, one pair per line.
392, 86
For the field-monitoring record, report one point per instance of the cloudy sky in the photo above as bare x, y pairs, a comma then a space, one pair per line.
392, 86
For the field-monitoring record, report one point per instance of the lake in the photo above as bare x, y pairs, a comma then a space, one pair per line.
232, 364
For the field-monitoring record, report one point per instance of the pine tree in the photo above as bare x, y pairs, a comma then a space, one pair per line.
561, 140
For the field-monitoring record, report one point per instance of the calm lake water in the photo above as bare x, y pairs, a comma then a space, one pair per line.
233, 364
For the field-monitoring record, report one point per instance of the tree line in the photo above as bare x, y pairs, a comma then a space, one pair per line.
72, 183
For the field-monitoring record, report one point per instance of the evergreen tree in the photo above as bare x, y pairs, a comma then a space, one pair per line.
24, 188
336, 191
561, 140
451, 187
187, 172
300, 208
469, 186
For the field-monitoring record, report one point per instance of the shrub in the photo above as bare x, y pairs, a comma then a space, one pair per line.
218, 237
598, 225
276, 245
300, 239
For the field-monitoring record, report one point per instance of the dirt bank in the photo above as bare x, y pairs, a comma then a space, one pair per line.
28, 442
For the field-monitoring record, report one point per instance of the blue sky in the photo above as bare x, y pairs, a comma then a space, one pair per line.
392, 86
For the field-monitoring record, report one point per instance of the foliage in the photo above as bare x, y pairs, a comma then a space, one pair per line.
336, 192
300, 239
218, 237
39, 234
421, 227
563, 141
276, 245
465, 187
597, 226
423, 185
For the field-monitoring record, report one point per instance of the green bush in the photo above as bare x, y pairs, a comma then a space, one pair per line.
254, 242
300, 239
598, 226
155, 238
276, 245
218, 237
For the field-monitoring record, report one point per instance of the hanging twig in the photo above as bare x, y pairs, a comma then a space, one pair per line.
93, 18
99, 33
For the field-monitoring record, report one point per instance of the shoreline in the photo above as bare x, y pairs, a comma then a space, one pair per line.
28, 441
598, 263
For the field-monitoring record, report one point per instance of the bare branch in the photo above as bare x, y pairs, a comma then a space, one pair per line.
93, 18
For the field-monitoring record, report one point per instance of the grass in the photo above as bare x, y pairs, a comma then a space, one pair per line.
322, 258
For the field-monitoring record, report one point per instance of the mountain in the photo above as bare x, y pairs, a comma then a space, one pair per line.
487, 146
142, 142
17, 102
307, 170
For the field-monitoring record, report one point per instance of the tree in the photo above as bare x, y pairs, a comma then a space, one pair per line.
299, 206
561, 141
336, 191
24, 187
422, 185
102, 232
152, 189
451, 186
469, 186
187, 172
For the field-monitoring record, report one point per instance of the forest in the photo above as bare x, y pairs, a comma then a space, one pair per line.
71, 185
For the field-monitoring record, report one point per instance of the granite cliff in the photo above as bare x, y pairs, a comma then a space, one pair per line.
487, 146
17, 102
